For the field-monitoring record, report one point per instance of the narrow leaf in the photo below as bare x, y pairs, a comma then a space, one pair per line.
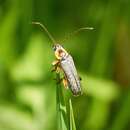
61, 107
72, 121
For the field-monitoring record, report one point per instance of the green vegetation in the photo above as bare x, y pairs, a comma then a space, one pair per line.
30, 98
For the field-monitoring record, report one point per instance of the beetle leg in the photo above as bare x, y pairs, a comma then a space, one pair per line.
65, 82
59, 81
56, 62
56, 66
58, 69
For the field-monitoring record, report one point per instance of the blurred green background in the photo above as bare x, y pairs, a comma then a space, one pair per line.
102, 58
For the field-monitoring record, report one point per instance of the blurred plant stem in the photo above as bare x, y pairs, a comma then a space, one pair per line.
122, 118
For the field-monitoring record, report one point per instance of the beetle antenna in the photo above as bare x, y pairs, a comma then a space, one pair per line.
77, 31
46, 30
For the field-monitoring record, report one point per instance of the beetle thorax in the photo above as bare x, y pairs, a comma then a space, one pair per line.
60, 52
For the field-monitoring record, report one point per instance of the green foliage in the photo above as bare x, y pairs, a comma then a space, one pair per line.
27, 89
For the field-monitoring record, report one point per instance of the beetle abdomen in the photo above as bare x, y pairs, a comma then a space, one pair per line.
70, 71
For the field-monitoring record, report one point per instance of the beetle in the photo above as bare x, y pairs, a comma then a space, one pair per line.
65, 63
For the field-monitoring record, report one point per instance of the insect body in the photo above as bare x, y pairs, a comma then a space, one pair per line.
65, 63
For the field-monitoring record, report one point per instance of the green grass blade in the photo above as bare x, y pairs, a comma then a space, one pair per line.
72, 121
61, 108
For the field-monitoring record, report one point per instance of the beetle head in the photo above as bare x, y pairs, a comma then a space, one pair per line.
60, 52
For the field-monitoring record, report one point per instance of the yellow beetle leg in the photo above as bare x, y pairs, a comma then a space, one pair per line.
56, 62
58, 69
55, 66
65, 83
